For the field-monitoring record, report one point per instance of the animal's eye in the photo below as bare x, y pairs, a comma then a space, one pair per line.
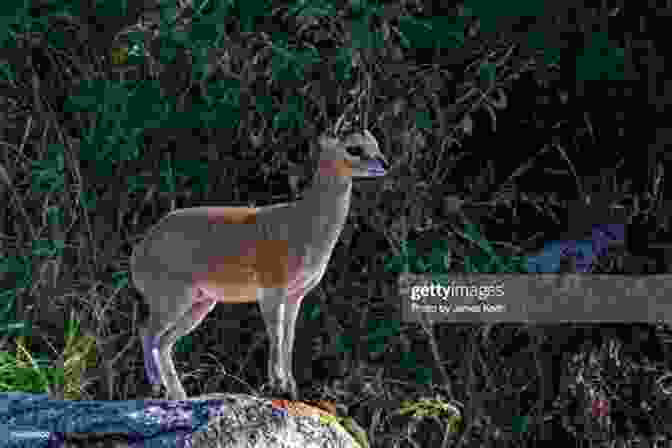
355, 151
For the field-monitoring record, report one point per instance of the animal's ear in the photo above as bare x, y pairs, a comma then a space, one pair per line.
365, 137
325, 141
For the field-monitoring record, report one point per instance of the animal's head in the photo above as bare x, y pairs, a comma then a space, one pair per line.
356, 155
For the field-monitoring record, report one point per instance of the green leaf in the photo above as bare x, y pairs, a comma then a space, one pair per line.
448, 32
226, 116
519, 424
343, 66
120, 279
344, 343
13, 8
600, 60
249, 11
185, 344
47, 248
361, 35
417, 33
55, 216
204, 31
408, 360
377, 347
423, 375
311, 311
136, 183
12, 326
118, 8
423, 119
263, 104
226, 90
487, 72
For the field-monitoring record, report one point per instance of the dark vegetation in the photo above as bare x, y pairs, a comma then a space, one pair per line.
506, 120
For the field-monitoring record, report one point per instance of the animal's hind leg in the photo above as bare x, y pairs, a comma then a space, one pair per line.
200, 308
165, 312
151, 359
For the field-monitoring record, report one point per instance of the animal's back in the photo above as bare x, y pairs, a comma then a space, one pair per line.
219, 249
179, 243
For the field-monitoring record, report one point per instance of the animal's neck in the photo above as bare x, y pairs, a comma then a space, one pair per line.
324, 209
329, 183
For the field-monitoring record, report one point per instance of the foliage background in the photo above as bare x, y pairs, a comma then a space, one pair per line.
505, 117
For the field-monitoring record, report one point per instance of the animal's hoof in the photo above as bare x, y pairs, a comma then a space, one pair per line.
273, 390
150, 353
157, 392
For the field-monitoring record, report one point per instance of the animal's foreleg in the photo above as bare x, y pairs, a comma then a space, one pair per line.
273, 305
291, 313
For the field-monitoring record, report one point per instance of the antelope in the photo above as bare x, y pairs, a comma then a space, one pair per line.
274, 255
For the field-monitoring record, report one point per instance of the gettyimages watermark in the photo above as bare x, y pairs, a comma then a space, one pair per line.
535, 298
446, 292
